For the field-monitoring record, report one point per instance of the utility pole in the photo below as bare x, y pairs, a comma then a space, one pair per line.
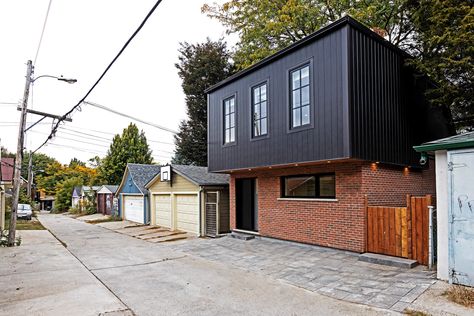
30, 174
19, 156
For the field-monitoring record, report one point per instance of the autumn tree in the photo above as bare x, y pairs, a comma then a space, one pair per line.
130, 147
200, 66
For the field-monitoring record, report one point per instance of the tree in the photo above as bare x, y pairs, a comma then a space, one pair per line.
64, 193
444, 47
266, 26
76, 162
200, 66
130, 147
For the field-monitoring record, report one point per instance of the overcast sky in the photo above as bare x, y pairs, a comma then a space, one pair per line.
80, 39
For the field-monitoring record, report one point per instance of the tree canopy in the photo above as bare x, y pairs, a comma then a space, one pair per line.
130, 147
200, 66
438, 33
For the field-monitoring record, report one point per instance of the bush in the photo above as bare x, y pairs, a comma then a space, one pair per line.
4, 239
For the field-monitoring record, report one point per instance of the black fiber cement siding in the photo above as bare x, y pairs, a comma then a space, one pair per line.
328, 138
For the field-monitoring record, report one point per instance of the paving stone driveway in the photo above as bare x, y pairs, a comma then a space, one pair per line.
327, 271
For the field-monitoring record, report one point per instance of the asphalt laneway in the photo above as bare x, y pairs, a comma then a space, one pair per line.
153, 279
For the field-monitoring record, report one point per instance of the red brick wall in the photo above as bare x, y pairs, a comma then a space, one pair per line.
338, 224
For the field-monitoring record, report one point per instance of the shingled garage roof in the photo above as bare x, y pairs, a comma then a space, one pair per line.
200, 175
6, 168
111, 188
465, 140
142, 174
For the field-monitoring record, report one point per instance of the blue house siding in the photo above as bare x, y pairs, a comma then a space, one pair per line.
130, 187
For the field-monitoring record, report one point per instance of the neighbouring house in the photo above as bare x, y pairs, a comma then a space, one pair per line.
309, 133
76, 196
105, 199
190, 199
46, 202
82, 195
6, 183
133, 201
454, 158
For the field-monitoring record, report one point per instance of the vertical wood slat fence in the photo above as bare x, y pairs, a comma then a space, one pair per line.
400, 231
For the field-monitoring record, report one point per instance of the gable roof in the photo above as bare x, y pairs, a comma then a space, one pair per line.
197, 175
465, 140
111, 188
142, 174
346, 20
7, 166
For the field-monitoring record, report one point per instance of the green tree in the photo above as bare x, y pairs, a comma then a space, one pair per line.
40, 164
200, 66
64, 193
266, 26
445, 52
130, 147
76, 162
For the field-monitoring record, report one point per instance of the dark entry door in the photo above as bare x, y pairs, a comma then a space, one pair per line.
246, 204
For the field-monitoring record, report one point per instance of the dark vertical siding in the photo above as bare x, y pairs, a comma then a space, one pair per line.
326, 139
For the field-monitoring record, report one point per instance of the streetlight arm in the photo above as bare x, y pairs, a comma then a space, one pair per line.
68, 80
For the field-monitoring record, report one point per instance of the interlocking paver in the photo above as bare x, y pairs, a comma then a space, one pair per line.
327, 271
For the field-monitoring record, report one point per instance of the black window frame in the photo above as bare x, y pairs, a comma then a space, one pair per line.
300, 88
252, 110
317, 188
225, 128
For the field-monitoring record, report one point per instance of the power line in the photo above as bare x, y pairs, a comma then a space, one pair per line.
103, 107
55, 128
42, 31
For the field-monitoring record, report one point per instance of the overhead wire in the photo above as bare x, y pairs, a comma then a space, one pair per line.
42, 32
78, 104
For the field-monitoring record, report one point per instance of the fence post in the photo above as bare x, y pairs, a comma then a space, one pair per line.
409, 228
366, 205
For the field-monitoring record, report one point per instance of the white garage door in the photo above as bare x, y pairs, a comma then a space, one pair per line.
163, 210
187, 208
133, 208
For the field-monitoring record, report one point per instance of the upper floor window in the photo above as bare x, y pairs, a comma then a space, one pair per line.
229, 120
299, 97
259, 110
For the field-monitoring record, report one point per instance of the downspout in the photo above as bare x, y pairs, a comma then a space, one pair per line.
201, 233
147, 210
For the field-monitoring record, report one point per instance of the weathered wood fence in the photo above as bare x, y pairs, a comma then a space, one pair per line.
400, 231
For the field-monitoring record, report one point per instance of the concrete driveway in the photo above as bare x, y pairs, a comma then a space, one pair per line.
153, 279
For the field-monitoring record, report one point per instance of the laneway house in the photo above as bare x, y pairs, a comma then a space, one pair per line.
455, 206
105, 199
133, 196
190, 199
308, 132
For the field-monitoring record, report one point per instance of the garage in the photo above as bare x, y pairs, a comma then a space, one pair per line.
133, 208
187, 213
163, 210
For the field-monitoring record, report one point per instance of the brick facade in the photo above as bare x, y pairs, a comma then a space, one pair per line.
337, 224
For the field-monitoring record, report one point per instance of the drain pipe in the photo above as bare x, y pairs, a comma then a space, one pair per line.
430, 238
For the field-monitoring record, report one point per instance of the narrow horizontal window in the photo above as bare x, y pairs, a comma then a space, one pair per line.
229, 120
309, 186
300, 97
259, 110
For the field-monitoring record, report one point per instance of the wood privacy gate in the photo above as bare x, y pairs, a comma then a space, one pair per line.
400, 231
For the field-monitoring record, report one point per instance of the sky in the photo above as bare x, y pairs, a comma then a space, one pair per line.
80, 39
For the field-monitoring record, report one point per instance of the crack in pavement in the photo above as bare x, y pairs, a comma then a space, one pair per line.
138, 264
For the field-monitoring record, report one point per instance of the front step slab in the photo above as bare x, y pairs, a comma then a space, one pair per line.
241, 236
388, 260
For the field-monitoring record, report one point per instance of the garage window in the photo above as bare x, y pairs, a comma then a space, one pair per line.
309, 186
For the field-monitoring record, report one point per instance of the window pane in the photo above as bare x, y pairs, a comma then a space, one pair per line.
296, 118
232, 120
227, 135
327, 186
256, 95
263, 124
295, 79
226, 107
304, 186
232, 105
256, 128
263, 109
263, 92
305, 95
232, 134
256, 112
305, 115
296, 102
305, 76
226, 122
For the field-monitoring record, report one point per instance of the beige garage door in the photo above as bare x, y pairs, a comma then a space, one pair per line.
187, 208
163, 210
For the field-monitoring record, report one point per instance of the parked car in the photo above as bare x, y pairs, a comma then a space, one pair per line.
24, 211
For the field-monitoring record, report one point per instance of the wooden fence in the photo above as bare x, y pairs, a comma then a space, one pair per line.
400, 231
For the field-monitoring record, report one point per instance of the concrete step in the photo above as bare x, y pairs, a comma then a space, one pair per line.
388, 260
241, 236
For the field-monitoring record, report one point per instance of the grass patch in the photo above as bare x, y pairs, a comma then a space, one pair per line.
23, 224
415, 313
105, 220
461, 295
